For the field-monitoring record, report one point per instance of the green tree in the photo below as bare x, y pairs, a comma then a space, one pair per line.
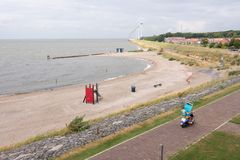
236, 43
211, 45
204, 42
218, 45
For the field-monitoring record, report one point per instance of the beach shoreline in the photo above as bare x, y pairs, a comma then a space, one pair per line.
30, 114
80, 83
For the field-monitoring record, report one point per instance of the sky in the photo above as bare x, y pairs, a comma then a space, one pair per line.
87, 19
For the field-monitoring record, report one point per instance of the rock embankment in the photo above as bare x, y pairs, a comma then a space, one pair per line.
55, 146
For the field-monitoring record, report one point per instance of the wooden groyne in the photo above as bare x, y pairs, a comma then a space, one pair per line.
75, 56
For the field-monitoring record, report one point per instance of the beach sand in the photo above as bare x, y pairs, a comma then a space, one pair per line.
26, 115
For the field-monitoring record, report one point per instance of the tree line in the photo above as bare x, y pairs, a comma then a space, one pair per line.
233, 44
221, 34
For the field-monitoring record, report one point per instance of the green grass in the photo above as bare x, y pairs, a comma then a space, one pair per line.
183, 59
112, 140
201, 55
236, 120
216, 146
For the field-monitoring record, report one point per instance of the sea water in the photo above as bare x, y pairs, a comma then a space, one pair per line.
24, 66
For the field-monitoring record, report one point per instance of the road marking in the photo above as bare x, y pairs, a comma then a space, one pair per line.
209, 133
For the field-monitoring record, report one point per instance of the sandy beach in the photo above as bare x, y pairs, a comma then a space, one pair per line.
26, 115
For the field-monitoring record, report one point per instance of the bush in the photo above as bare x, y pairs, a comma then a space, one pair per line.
233, 62
204, 42
77, 124
238, 61
190, 63
211, 45
234, 73
172, 59
235, 56
151, 49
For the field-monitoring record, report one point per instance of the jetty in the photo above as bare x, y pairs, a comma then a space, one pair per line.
75, 56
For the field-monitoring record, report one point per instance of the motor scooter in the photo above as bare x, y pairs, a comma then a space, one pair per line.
187, 121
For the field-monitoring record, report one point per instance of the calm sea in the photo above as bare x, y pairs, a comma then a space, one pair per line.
24, 66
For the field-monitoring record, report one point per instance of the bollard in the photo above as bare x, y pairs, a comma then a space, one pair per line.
161, 152
133, 88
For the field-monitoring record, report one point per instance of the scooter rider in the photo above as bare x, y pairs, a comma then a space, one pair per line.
184, 112
187, 115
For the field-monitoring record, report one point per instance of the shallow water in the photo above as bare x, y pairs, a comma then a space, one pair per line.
24, 66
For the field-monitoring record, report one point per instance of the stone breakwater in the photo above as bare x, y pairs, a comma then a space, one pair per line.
53, 147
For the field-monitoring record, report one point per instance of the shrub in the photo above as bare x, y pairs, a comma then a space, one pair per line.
191, 64
233, 62
211, 45
180, 94
204, 42
234, 73
238, 61
77, 124
172, 59
235, 56
151, 49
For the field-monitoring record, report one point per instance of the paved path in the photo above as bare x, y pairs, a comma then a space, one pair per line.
172, 136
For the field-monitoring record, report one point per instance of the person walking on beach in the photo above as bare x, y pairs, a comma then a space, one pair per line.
189, 76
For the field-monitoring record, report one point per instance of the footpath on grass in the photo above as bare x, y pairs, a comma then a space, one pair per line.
172, 136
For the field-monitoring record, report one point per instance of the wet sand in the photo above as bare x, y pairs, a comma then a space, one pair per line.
26, 115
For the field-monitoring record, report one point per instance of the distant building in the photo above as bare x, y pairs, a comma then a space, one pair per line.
183, 40
193, 41
219, 40
178, 40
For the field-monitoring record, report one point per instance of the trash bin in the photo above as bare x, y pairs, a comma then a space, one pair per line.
119, 50
133, 88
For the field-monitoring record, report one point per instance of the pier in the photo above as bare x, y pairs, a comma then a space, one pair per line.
75, 56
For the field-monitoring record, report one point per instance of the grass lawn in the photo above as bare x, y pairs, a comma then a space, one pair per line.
110, 141
216, 146
236, 120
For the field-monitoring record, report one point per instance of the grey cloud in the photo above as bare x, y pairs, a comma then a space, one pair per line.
113, 18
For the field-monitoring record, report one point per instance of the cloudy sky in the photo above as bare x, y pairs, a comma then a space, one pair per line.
113, 18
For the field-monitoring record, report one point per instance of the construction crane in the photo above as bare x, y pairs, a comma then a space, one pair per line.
137, 29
